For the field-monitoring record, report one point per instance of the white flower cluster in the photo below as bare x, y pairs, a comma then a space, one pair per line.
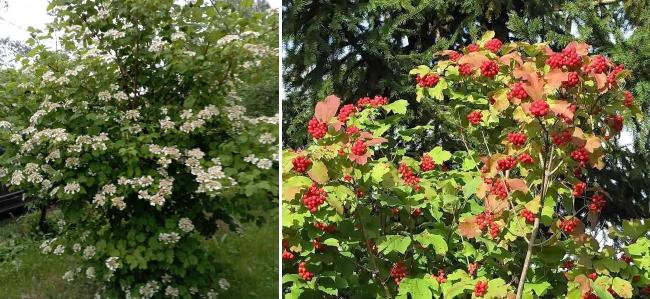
100, 198
89, 252
165, 187
112, 263
32, 170
262, 163
193, 122
267, 138
169, 238
210, 179
97, 143
149, 289
46, 246
185, 224
54, 135
71, 188
171, 292
166, 154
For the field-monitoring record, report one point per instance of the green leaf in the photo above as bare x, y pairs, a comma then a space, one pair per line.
471, 185
398, 106
427, 238
436, 91
318, 172
439, 155
539, 288
378, 171
393, 243
417, 287
622, 287
496, 289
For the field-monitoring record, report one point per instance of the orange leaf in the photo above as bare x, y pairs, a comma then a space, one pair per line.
601, 82
555, 77
495, 205
584, 282
582, 49
561, 108
517, 185
593, 142
327, 108
361, 160
475, 59
375, 141
505, 59
535, 86
468, 227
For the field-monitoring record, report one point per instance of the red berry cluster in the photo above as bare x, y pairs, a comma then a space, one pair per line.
517, 139
592, 275
485, 222
629, 99
359, 148
303, 272
646, 290
572, 80
473, 48
465, 69
517, 91
580, 155
568, 57
408, 176
318, 246
579, 189
590, 295
506, 163
539, 108
568, 265
351, 130
287, 255
597, 202
627, 259
568, 225
471, 268
480, 288
475, 117
611, 78
528, 215
374, 102
440, 278
328, 228
498, 188
300, 164
525, 159
398, 272
316, 128
493, 45
359, 192
489, 69
561, 138
314, 197
417, 212
598, 64
616, 122
454, 56
428, 80
345, 112
427, 163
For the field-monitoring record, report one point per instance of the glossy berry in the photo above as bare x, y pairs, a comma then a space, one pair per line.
616, 122
287, 255
473, 48
506, 163
568, 265
359, 192
629, 99
345, 112
570, 57
303, 272
499, 189
314, 197
611, 78
493, 45
427, 81
592, 275
318, 246
561, 138
398, 272
572, 80
328, 228
316, 128
517, 139
517, 91
351, 130
440, 278
465, 69
580, 155
598, 64
475, 117
394, 211
579, 189
417, 212
408, 176
374, 102
539, 108
359, 148
627, 259
484, 220
454, 56
480, 288
568, 225
528, 215
597, 203
489, 69
427, 163
301, 164
495, 230
525, 159
555, 61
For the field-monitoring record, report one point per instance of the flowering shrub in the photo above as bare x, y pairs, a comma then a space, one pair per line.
515, 217
135, 130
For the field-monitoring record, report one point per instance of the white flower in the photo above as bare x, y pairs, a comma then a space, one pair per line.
224, 284
72, 162
104, 96
112, 263
5, 125
194, 290
90, 272
264, 163
185, 224
68, 276
171, 291
166, 278
59, 250
251, 159
89, 252
71, 188
227, 39
118, 202
149, 289
178, 36
76, 247
169, 238
267, 138
157, 45
17, 178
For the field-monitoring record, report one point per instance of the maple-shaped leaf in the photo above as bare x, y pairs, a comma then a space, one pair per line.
562, 108
375, 141
517, 185
592, 143
584, 282
501, 102
535, 85
494, 204
544, 48
361, 160
601, 82
444, 53
578, 137
326, 109
475, 59
482, 190
582, 49
318, 172
468, 227
507, 58
554, 79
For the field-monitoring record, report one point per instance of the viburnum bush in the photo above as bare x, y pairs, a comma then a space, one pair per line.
135, 129
513, 215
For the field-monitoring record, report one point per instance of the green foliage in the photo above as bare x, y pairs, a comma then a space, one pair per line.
136, 130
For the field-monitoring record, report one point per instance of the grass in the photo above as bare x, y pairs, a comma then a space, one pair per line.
26, 273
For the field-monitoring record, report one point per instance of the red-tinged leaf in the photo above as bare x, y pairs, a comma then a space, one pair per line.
494, 204
582, 49
445, 52
592, 143
555, 77
517, 185
535, 86
366, 135
475, 59
545, 49
562, 108
505, 59
482, 190
584, 282
327, 108
376, 141
469, 228
592, 217
601, 82
361, 160
337, 124
524, 70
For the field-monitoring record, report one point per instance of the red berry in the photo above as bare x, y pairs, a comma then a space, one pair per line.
517, 139
408, 176
351, 130
580, 155
570, 57
568, 265
493, 45
359, 148
568, 225
328, 228
417, 212
426, 163
300, 164
287, 255
561, 138
489, 69
440, 278
499, 189
360, 193
374, 102
528, 215
629, 99
539, 108
526, 159
517, 91
318, 246
598, 64
555, 61
465, 69
454, 56
627, 259
316, 128
472, 48
611, 78
398, 272
428, 80
590, 295
484, 220
345, 112
579, 189
592, 275
314, 197
506, 163
495, 230
616, 122
572, 80
475, 117
303, 272
597, 202
394, 211
480, 288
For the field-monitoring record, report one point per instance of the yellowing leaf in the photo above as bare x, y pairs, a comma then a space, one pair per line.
501, 101
517, 185
622, 287
318, 172
468, 227
593, 142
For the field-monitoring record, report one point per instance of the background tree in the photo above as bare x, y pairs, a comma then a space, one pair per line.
366, 49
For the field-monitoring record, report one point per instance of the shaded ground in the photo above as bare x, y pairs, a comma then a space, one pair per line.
25, 273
